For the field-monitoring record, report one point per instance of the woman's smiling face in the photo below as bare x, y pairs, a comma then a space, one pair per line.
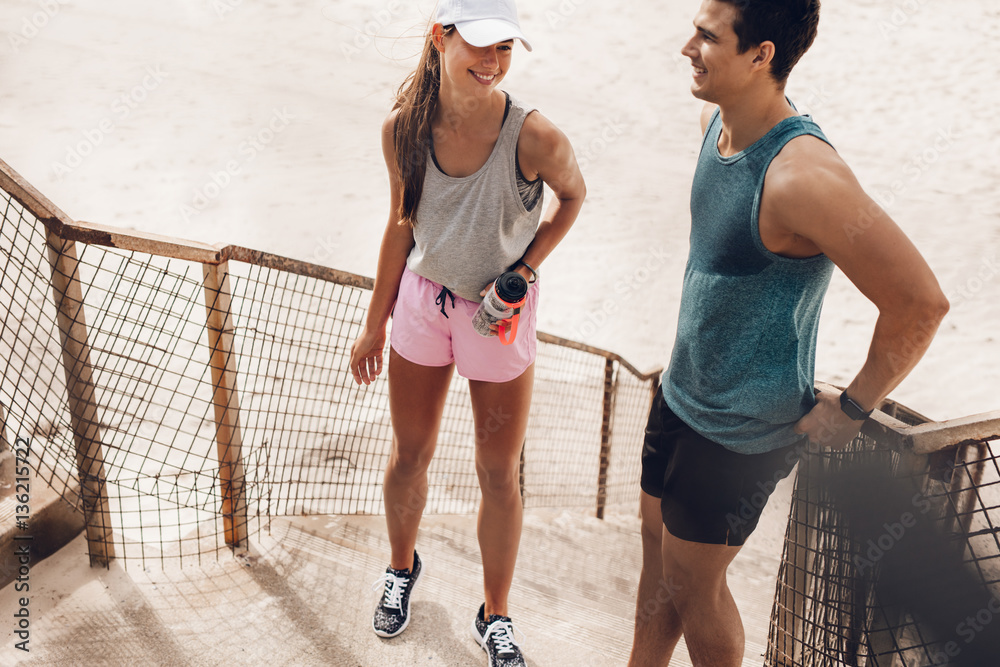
477, 70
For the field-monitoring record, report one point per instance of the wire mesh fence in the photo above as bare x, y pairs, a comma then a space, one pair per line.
216, 393
832, 606
34, 386
179, 395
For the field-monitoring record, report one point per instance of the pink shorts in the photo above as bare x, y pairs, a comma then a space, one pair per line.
421, 334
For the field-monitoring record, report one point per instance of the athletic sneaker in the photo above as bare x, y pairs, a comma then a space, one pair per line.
393, 613
496, 636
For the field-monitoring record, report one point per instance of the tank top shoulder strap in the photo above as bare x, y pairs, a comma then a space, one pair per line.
515, 120
797, 126
529, 192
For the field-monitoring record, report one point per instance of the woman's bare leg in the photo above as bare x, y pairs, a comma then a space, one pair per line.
501, 416
416, 401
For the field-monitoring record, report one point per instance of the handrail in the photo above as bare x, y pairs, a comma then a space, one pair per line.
177, 248
33, 200
128, 239
583, 347
926, 437
935, 436
932, 437
296, 266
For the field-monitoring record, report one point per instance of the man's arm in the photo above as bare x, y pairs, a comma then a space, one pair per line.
813, 203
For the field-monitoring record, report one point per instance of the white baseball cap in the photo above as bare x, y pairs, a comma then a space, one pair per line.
482, 22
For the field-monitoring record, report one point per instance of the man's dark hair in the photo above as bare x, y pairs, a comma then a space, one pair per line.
790, 24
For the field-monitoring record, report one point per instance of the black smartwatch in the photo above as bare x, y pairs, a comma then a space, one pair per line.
852, 409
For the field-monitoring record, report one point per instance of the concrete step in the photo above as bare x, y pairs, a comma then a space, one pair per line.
302, 596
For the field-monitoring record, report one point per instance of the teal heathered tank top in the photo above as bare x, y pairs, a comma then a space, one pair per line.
743, 364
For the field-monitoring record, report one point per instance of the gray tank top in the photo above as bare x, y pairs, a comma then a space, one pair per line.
470, 230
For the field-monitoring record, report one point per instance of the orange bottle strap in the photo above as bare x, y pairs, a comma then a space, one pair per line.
513, 325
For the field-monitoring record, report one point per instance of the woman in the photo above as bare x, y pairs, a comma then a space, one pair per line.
466, 163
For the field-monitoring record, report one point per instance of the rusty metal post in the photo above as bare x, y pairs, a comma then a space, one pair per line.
225, 398
796, 575
4, 443
8, 461
520, 472
84, 419
609, 403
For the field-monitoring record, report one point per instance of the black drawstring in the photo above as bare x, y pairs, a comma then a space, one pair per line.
441, 299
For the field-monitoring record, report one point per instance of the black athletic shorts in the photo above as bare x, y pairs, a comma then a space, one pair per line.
708, 494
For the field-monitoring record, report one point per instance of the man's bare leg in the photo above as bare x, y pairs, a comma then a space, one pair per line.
713, 630
657, 623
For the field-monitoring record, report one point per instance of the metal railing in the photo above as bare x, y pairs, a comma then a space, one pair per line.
179, 394
827, 610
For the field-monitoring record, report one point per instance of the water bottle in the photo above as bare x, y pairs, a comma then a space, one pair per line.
502, 302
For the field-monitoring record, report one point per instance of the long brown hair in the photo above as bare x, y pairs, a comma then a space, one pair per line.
416, 101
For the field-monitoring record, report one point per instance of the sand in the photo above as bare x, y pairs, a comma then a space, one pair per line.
257, 124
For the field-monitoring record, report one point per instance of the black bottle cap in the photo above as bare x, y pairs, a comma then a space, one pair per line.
511, 287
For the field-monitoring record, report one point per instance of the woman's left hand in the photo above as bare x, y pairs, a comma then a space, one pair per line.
525, 272
495, 327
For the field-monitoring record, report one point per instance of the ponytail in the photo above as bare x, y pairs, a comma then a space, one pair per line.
416, 101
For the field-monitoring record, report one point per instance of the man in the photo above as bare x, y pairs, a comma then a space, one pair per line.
774, 208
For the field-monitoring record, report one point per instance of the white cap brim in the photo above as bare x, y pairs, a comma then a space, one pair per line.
487, 32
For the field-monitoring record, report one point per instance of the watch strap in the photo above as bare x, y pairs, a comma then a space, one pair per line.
852, 409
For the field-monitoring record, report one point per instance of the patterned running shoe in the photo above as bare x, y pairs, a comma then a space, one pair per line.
393, 612
496, 636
